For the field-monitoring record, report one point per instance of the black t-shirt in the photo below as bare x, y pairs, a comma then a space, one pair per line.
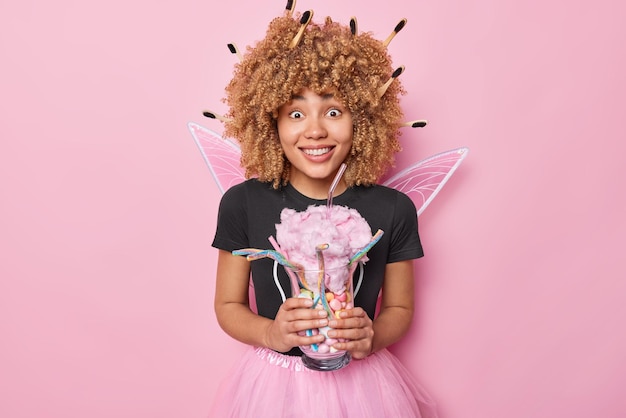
250, 210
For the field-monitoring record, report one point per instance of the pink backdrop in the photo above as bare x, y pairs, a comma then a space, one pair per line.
108, 209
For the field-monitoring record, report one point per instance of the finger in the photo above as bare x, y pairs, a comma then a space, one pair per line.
352, 313
350, 323
297, 303
358, 349
350, 334
294, 318
303, 326
309, 340
299, 309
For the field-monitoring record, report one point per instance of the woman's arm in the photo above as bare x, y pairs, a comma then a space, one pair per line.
397, 305
237, 320
393, 321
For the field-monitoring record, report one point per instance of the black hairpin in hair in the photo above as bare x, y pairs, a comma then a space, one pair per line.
382, 89
304, 22
213, 115
395, 31
353, 26
234, 50
415, 124
291, 5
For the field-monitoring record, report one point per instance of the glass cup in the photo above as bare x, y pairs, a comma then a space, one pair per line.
329, 289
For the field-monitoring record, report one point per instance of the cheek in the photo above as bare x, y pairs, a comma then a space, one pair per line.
279, 129
348, 131
346, 148
285, 133
347, 135
281, 138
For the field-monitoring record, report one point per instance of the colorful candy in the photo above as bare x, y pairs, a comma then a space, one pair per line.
336, 303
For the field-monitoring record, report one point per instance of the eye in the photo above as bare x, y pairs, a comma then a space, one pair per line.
296, 114
334, 113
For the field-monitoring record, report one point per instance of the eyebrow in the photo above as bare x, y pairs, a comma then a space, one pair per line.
325, 96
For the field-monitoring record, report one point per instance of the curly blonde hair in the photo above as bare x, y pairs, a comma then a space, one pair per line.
328, 58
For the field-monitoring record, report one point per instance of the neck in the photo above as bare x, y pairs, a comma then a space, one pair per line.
319, 190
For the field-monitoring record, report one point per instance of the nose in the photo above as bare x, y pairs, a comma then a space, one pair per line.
315, 129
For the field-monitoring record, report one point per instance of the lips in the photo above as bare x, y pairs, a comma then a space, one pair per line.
316, 151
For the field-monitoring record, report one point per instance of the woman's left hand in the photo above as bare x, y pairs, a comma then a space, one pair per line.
357, 329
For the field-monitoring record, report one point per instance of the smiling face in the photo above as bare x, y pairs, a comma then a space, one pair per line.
315, 133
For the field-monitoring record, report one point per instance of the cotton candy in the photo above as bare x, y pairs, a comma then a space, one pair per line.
344, 230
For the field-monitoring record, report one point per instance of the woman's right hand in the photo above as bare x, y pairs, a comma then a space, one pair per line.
293, 318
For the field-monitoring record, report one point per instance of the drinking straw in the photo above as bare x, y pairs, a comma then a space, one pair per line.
254, 254
321, 285
333, 186
293, 273
365, 249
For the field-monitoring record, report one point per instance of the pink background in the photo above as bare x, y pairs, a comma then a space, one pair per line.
108, 210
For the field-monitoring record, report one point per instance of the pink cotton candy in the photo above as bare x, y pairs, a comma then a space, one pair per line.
344, 230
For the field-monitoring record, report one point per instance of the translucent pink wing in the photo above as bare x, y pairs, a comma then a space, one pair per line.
221, 155
423, 180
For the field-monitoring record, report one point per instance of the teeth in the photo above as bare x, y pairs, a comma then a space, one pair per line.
318, 151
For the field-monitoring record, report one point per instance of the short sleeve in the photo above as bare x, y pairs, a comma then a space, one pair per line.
232, 220
405, 242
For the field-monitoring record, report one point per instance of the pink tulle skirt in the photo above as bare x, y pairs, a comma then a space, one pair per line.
268, 384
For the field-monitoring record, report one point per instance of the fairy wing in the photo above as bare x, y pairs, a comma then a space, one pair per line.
221, 155
424, 179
